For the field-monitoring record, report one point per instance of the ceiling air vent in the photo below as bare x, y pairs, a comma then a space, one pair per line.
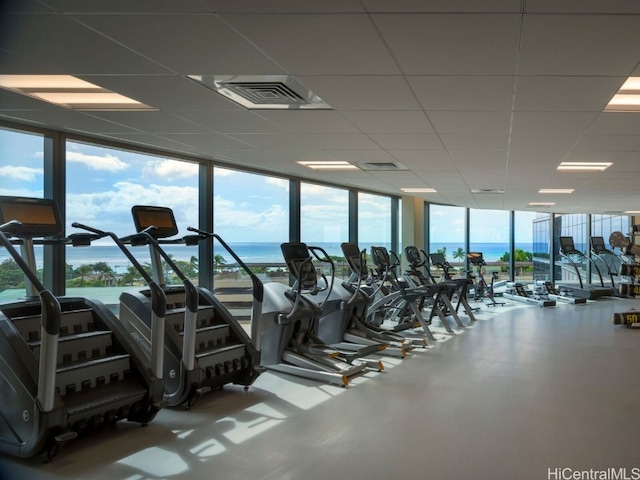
263, 91
382, 166
497, 191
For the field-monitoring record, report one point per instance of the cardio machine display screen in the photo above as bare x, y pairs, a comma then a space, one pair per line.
566, 245
37, 217
160, 217
597, 244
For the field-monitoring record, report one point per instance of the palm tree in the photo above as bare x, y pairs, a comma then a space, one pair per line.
459, 254
218, 261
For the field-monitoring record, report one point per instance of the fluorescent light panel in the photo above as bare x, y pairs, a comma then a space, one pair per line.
541, 204
627, 99
70, 92
584, 166
555, 190
328, 165
418, 190
632, 212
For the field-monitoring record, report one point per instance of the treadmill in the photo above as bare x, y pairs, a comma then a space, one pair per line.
569, 252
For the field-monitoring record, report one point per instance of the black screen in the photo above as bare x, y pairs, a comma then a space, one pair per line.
160, 217
598, 245
566, 245
37, 216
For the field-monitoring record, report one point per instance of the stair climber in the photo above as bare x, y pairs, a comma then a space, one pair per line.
205, 347
69, 366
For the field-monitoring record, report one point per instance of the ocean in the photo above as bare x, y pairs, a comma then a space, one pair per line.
249, 252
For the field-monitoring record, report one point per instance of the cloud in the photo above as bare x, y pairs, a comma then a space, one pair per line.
14, 172
111, 210
278, 182
223, 172
106, 162
168, 169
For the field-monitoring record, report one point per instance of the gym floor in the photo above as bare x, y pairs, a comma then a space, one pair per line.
524, 394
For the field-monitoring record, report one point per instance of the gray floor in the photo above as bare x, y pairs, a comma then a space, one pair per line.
522, 393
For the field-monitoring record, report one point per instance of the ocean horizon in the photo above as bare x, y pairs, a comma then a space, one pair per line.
249, 252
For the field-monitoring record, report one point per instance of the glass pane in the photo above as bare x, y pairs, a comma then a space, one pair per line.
251, 214
523, 246
571, 269
608, 259
374, 221
542, 247
447, 234
489, 235
21, 175
102, 186
324, 213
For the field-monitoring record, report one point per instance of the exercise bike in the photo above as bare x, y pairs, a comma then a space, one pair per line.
481, 290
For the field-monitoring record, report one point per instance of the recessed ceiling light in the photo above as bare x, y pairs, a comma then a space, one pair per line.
627, 99
584, 166
555, 190
418, 190
632, 212
487, 190
541, 204
329, 165
70, 92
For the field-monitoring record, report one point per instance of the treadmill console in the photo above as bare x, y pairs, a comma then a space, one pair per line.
38, 217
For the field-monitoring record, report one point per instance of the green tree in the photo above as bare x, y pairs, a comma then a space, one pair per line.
459, 254
443, 251
11, 275
218, 262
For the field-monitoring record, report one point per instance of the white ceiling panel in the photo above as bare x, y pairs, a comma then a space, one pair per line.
552, 122
471, 141
447, 92
620, 123
198, 44
152, 121
608, 142
149, 140
125, 6
318, 44
582, 6
363, 92
165, 92
70, 47
208, 143
284, 6
68, 120
569, 94
417, 159
389, 121
407, 141
458, 6
243, 121
270, 141
470, 122
579, 45
436, 44
376, 156
543, 142
337, 141
309, 121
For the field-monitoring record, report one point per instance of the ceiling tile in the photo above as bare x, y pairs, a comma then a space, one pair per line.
470, 122
424, 44
230, 122
579, 45
389, 121
150, 121
125, 6
470, 141
552, 122
318, 44
283, 6
470, 6
309, 121
407, 141
492, 93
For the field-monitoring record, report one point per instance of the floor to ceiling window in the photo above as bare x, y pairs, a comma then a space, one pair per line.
447, 234
251, 215
102, 186
374, 221
21, 174
324, 221
523, 245
541, 226
489, 235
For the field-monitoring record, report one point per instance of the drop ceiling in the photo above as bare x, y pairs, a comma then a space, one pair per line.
462, 94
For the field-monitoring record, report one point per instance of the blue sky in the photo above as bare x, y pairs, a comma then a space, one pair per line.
103, 184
